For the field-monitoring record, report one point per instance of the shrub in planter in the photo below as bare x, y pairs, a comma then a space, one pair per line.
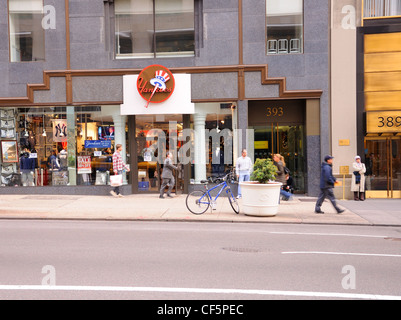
264, 171
260, 197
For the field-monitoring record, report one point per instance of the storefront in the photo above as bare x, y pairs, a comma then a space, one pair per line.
69, 148
199, 135
202, 122
379, 107
59, 146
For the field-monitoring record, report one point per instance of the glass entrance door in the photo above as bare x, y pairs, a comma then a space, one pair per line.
155, 136
287, 140
383, 167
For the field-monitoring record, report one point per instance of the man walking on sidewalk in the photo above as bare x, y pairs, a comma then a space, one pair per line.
327, 182
118, 167
168, 176
243, 170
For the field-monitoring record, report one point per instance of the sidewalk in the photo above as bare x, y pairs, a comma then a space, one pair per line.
150, 207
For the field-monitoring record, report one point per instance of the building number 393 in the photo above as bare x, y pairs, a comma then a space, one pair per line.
275, 111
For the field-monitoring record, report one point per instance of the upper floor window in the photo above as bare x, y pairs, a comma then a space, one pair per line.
154, 28
284, 26
27, 37
381, 8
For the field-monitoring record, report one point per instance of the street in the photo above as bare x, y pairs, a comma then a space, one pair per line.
43, 259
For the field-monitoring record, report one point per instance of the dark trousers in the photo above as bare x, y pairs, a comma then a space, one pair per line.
326, 193
116, 190
167, 181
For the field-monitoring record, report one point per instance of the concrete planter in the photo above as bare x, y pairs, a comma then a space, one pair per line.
260, 199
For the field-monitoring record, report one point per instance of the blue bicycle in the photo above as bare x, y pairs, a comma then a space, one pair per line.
199, 201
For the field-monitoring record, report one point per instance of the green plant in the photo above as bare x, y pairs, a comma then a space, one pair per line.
264, 170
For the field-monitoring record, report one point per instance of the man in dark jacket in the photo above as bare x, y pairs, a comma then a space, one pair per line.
327, 182
168, 176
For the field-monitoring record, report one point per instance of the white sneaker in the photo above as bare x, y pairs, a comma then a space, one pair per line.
239, 197
120, 196
113, 193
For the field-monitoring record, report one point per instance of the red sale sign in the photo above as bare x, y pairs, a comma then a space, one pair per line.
84, 164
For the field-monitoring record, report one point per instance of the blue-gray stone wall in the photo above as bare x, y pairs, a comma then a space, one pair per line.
92, 48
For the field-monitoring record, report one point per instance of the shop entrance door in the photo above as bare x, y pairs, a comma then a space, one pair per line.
287, 140
155, 136
383, 167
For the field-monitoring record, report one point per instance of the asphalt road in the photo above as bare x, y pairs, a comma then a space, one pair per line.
166, 260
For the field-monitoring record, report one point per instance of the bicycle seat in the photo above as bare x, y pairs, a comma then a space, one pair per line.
204, 181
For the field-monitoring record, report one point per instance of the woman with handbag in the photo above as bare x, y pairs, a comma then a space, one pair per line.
118, 167
358, 179
279, 162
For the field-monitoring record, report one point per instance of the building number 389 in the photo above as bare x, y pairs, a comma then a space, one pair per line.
389, 122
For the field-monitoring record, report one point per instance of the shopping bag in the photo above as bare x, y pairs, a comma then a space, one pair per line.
116, 180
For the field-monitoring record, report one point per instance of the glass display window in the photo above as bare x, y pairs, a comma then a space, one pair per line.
60, 146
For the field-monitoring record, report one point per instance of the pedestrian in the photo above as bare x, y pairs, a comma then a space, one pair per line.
52, 161
168, 176
118, 167
358, 179
327, 181
279, 162
243, 170
290, 186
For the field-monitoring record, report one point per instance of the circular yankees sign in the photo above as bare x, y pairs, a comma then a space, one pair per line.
155, 84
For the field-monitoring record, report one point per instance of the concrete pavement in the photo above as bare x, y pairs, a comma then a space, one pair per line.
150, 207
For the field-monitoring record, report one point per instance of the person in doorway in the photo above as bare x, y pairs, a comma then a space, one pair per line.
358, 179
327, 181
118, 167
243, 170
168, 176
279, 162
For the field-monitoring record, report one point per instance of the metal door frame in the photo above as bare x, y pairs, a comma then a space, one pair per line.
390, 193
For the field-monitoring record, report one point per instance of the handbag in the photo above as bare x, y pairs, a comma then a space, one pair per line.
116, 180
357, 177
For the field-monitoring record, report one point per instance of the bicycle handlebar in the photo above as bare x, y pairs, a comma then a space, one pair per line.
223, 178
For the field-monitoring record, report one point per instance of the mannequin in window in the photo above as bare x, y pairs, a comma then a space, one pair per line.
27, 167
62, 157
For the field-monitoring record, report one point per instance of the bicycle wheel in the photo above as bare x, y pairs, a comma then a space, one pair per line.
197, 202
234, 203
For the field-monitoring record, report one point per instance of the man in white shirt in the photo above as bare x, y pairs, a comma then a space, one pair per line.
243, 170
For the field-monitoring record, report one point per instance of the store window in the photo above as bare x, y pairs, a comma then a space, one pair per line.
212, 126
381, 8
27, 39
220, 153
154, 28
60, 146
284, 26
